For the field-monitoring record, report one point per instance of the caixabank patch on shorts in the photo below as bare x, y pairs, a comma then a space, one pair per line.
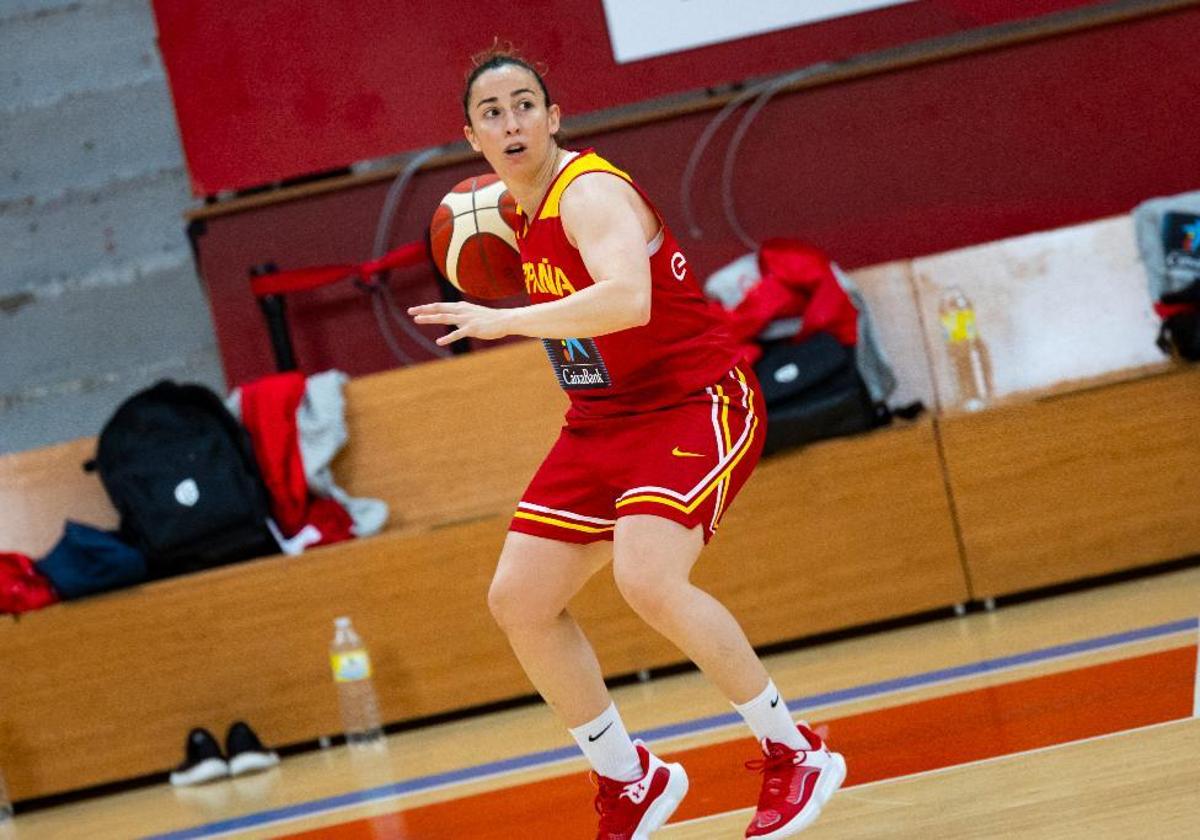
577, 363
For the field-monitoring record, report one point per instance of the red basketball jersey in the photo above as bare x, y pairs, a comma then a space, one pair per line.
683, 349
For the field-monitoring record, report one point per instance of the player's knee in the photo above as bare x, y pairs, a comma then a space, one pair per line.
649, 595
512, 607
504, 602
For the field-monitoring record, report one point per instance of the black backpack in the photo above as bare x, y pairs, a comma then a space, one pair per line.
181, 472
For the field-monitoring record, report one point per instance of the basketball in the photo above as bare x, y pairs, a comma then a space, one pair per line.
474, 241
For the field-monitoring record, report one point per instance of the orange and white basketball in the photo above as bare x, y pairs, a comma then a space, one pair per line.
474, 241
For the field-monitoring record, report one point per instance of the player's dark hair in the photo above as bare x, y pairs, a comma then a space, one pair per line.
496, 56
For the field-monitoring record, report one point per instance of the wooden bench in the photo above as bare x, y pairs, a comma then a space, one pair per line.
437, 442
1086, 462
1078, 483
105, 688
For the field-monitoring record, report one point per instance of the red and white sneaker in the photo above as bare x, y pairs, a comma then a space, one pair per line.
796, 786
632, 810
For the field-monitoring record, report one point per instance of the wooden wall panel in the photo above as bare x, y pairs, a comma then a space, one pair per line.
453, 438
42, 488
1078, 484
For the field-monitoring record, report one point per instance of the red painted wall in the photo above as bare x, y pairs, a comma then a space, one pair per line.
909, 163
275, 89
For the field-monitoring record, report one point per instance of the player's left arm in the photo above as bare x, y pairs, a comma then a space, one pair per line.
602, 218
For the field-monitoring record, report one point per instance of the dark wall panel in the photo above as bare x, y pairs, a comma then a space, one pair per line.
276, 89
898, 165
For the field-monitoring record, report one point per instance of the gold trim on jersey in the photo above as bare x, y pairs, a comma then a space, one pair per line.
581, 165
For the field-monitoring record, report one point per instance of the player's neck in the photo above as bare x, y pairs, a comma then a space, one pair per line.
530, 195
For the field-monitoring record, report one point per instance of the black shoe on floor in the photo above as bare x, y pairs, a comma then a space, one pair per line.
246, 753
203, 762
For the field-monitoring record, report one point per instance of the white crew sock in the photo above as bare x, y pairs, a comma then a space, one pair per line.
608, 747
768, 717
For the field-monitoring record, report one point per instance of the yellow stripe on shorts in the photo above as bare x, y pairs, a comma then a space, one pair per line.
562, 523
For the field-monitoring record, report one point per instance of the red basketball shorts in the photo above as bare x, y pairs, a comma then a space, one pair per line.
685, 463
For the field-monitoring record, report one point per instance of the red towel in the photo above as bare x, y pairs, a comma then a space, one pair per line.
269, 414
22, 586
797, 281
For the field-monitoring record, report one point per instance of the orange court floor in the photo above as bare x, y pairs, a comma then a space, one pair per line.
1067, 716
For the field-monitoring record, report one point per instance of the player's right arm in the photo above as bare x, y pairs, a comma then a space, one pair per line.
603, 218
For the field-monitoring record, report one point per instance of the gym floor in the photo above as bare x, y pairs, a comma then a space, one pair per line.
1075, 715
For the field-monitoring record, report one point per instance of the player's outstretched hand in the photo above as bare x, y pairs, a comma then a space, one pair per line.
470, 320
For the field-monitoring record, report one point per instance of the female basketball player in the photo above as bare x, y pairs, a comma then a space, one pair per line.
663, 429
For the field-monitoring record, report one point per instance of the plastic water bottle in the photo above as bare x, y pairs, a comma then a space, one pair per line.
969, 358
356, 693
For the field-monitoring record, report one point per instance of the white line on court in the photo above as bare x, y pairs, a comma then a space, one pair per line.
1196, 688
806, 710
952, 767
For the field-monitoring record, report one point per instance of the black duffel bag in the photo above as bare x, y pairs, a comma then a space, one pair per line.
1180, 331
813, 391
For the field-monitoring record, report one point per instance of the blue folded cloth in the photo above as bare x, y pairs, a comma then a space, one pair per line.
87, 560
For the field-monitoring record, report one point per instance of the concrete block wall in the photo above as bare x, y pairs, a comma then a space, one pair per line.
99, 296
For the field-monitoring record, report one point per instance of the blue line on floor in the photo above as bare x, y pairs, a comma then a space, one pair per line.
692, 727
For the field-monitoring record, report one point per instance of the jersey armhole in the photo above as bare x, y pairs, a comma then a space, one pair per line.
652, 246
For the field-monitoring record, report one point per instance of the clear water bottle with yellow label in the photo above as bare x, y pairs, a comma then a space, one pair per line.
356, 693
969, 358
